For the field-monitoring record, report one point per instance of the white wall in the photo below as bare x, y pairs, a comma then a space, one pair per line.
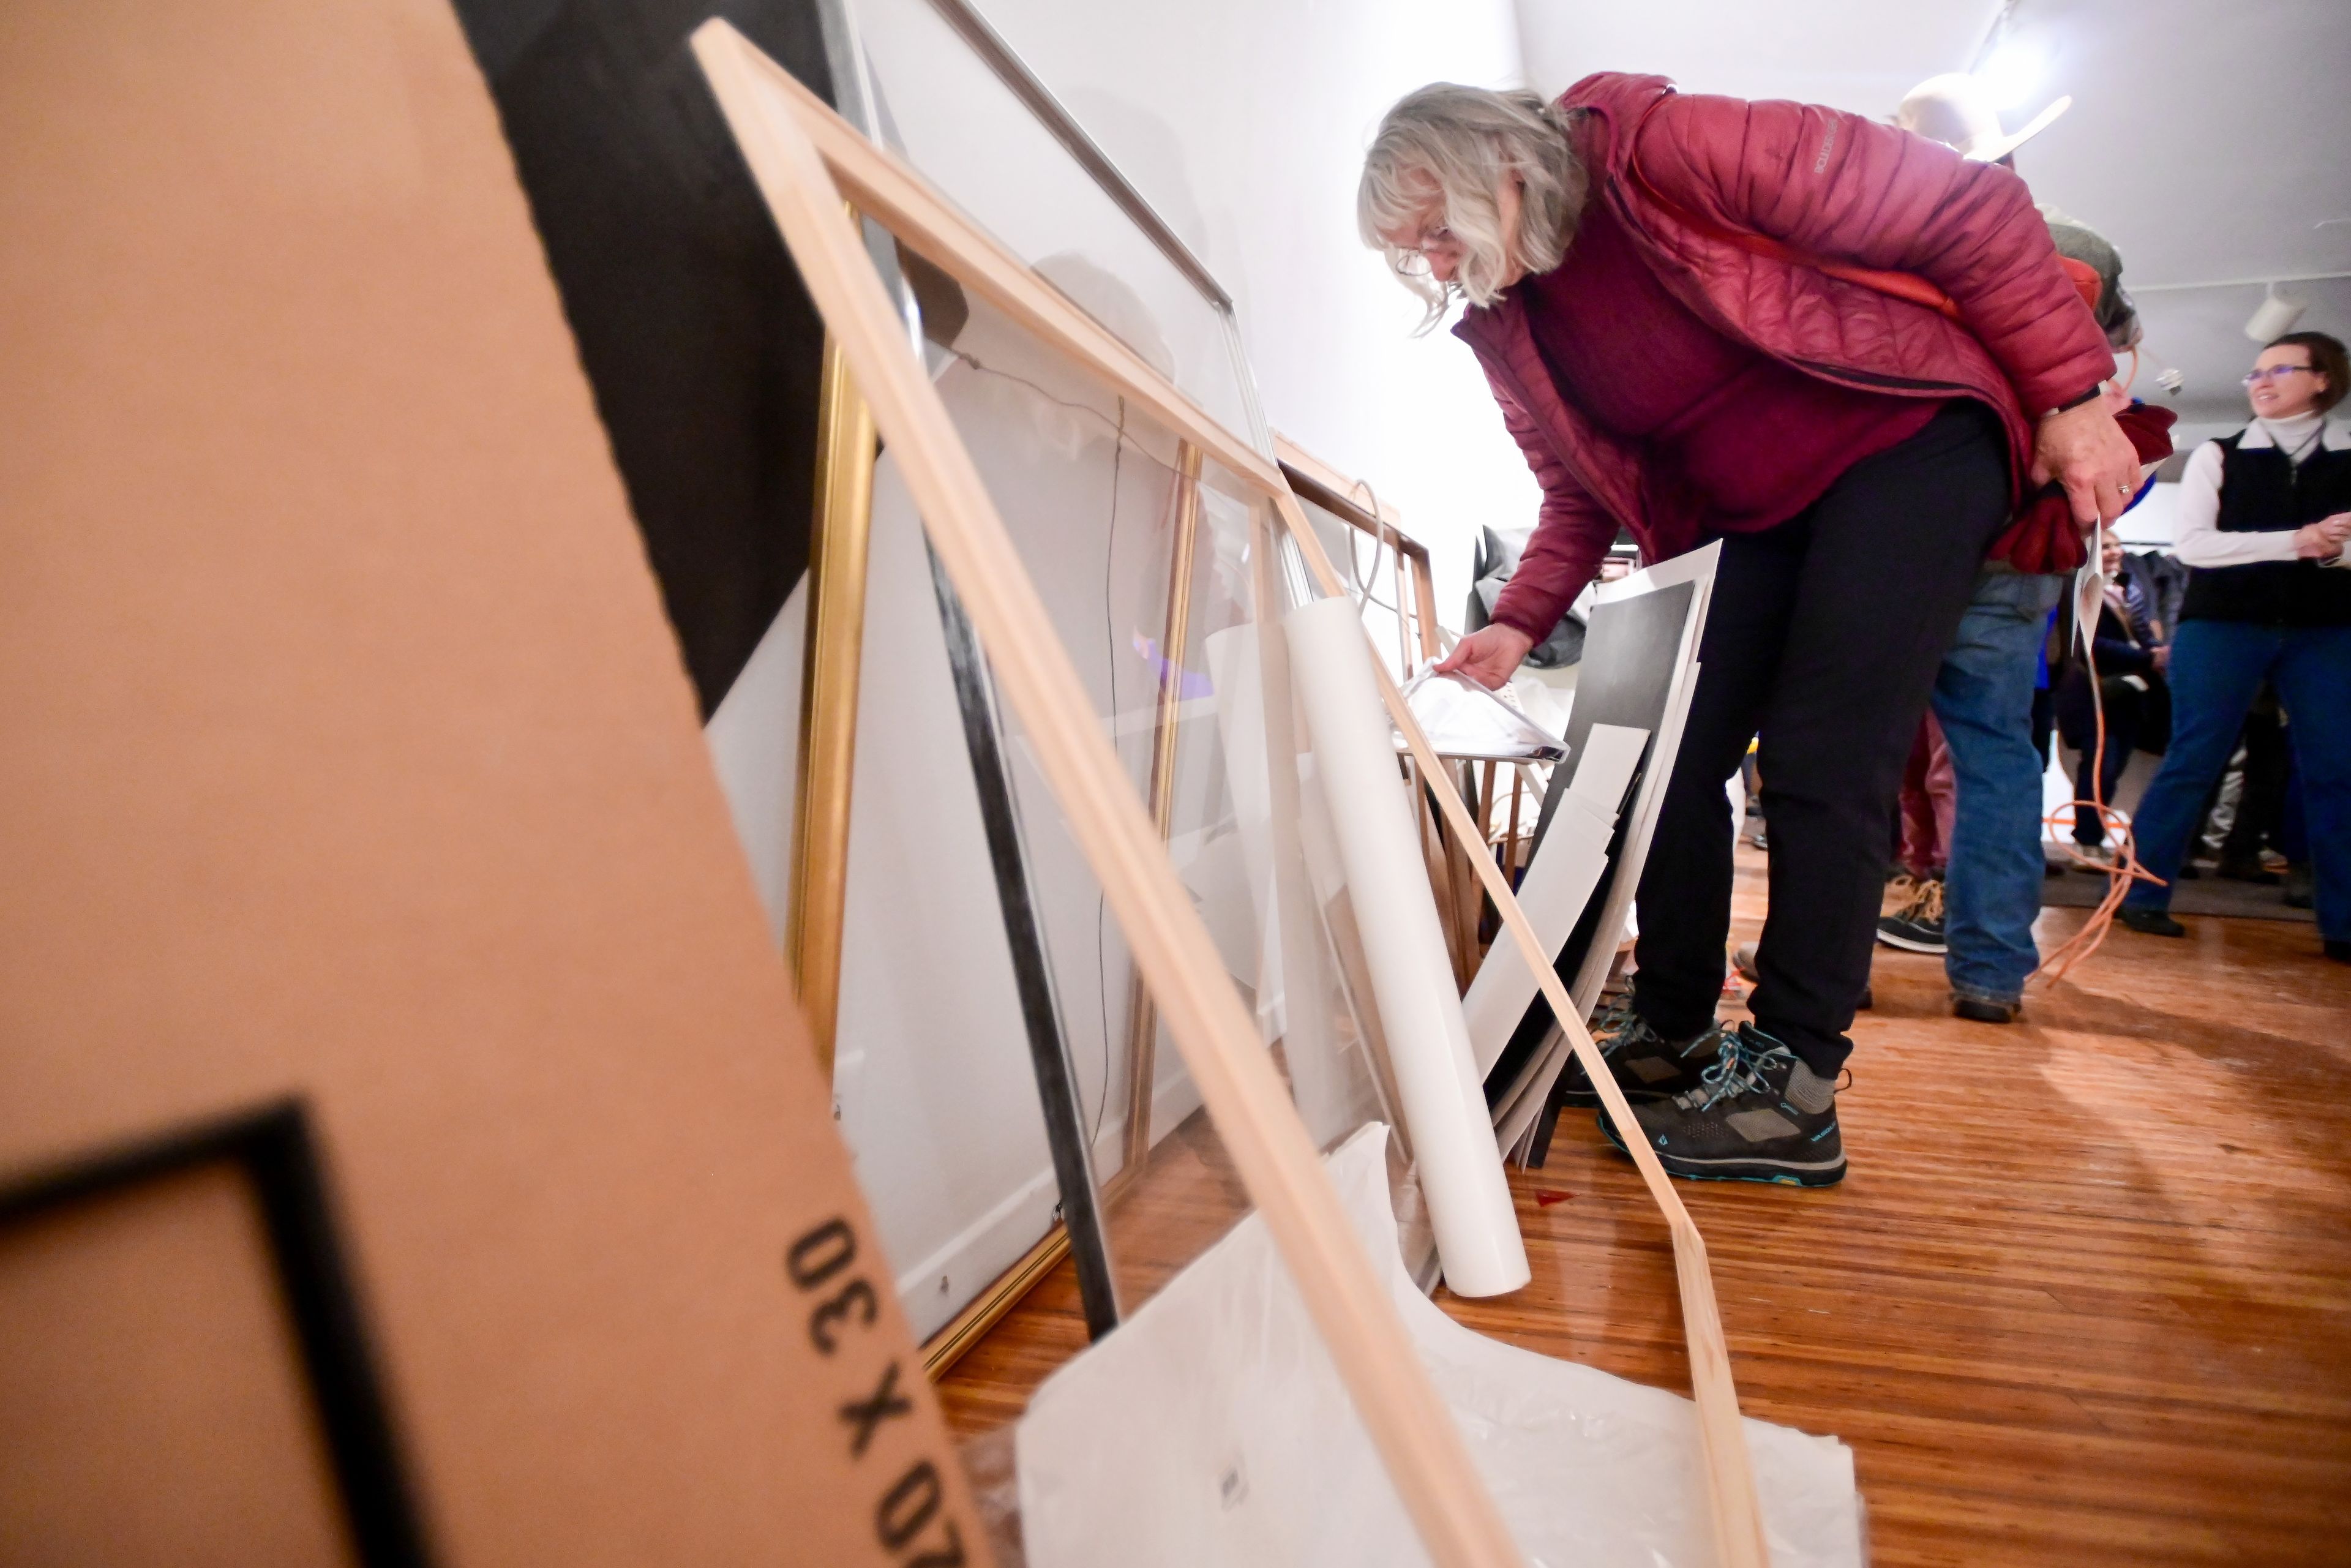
1860, 55
2149, 525
1244, 123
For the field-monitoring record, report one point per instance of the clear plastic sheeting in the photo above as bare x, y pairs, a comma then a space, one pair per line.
966, 132
1213, 1428
1166, 594
1463, 719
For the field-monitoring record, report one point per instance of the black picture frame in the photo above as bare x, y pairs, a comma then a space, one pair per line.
272, 1145
1628, 669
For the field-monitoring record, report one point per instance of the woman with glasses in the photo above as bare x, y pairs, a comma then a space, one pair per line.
2263, 517
1847, 353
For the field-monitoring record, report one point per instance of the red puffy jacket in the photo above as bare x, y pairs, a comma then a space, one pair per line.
1828, 185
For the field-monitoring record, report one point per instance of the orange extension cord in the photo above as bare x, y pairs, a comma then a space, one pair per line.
2124, 869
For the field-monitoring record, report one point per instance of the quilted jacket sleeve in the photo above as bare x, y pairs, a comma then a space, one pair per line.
1573, 533
1836, 185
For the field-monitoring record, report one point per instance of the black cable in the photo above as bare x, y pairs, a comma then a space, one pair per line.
1119, 425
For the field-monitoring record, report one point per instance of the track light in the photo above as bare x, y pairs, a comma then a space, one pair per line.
2275, 316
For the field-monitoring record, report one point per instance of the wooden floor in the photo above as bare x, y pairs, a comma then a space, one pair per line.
2086, 1297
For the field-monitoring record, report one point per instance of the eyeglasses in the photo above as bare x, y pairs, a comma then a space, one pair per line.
1414, 257
1413, 260
2274, 373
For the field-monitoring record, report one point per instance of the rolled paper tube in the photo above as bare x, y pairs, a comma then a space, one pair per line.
1478, 1239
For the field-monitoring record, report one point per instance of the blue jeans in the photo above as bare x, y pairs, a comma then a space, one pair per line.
1983, 699
2215, 668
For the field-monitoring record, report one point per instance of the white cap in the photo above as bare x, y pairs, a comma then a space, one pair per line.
1955, 109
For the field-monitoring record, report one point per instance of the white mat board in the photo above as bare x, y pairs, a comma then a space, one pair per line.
1212, 1428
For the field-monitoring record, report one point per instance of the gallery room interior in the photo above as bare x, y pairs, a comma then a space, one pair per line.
933, 782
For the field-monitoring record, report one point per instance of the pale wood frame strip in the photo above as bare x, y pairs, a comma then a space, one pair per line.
1415, 1435
1738, 1521
791, 158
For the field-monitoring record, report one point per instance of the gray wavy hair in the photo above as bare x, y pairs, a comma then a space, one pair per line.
1451, 145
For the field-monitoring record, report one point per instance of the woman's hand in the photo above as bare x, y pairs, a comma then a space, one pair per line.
2324, 539
1489, 655
2084, 450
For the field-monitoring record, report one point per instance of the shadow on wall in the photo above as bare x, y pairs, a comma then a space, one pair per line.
1150, 155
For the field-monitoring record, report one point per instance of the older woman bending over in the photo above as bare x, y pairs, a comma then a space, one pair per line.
1847, 353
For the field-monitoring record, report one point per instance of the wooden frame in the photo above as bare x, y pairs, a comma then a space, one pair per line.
846, 458
829, 686
1460, 901
1336, 494
798, 148
1142, 1017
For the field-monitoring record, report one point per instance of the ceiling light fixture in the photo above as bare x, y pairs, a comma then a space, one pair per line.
2012, 73
2275, 316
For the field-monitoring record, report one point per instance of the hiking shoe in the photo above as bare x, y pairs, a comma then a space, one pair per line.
1918, 926
2150, 921
1645, 1064
1747, 1120
1984, 1009
1742, 959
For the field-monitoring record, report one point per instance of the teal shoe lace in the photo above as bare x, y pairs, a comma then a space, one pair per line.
1739, 1069
1610, 1021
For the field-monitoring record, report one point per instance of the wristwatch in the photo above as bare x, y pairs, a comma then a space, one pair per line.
2097, 392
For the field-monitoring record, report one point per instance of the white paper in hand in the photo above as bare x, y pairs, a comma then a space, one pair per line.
1462, 718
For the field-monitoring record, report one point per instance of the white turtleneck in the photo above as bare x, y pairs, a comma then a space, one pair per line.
2197, 537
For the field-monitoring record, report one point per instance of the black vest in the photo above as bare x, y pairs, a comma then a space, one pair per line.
2262, 491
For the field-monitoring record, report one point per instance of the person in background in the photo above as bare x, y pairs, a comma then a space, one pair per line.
2265, 788
2263, 520
2129, 690
1979, 916
1709, 320
1928, 803
2044, 695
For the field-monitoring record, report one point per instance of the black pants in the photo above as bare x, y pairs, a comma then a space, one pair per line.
1823, 637
2138, 718
2261, 806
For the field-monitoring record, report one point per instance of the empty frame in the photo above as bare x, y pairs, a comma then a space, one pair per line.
798, 148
